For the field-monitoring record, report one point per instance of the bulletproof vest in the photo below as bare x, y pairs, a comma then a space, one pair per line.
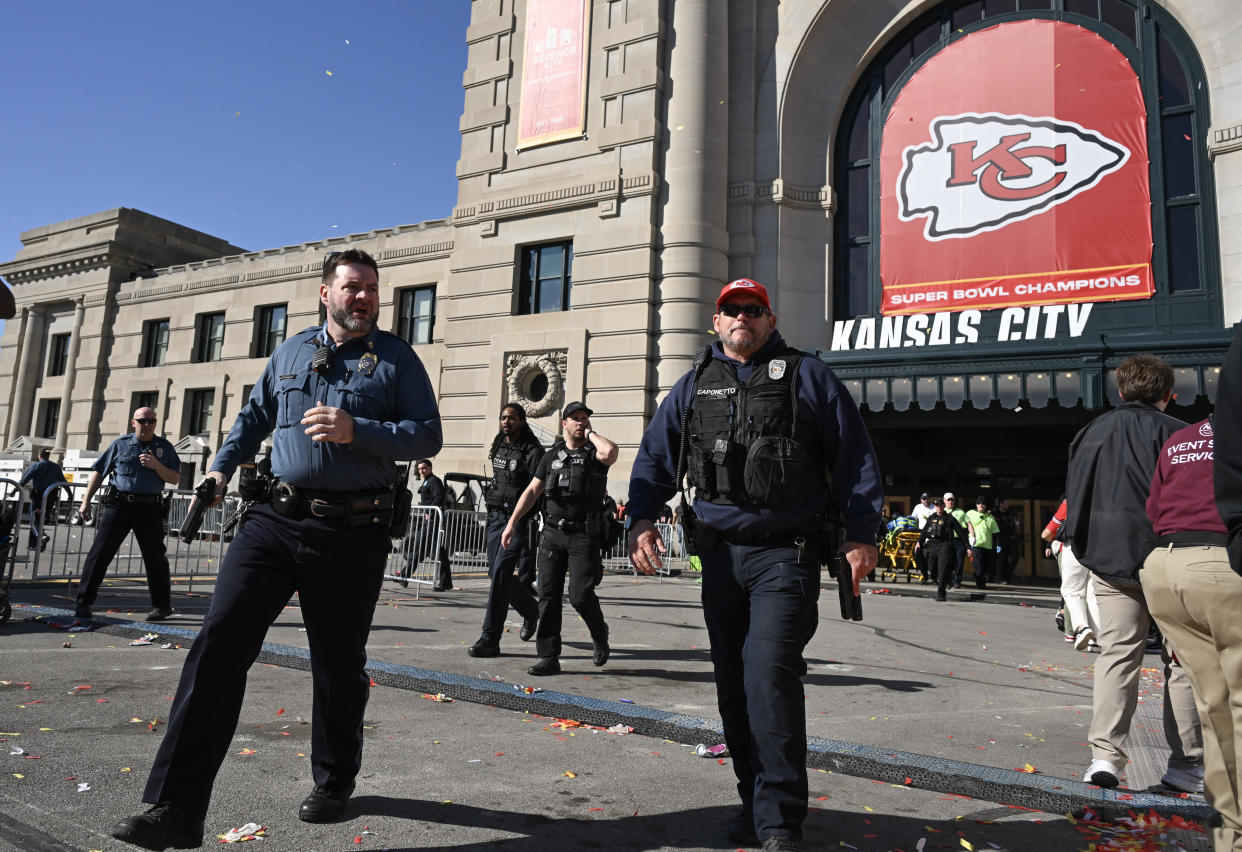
746, 446
510, 475
938, 528
576, 477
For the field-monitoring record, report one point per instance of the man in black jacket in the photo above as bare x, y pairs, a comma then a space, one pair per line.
936, 545
431, 493
1111, 462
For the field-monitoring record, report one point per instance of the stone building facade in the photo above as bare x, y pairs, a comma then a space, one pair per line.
713, 139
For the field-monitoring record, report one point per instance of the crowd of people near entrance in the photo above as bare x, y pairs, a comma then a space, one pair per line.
750, 432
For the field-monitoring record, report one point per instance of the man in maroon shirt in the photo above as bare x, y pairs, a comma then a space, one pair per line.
1195, 597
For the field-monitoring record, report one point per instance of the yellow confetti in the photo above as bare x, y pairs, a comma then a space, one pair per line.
247, 751
967, 845
569, 774
447, 802
329, 73
868, 808
45, 729
126, 769
18, 775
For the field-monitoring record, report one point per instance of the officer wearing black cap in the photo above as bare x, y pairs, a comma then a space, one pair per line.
772, 441
515, 456
343, 404
574, 473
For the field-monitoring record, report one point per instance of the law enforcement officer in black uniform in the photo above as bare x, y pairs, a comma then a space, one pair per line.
515, 455
431, 493
343, 404
772, 442
575, 475
936, 545
140, 463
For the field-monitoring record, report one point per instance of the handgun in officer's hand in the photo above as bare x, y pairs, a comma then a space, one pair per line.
204, 496
851, 602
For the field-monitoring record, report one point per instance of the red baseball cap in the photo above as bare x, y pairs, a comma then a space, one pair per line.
744, 285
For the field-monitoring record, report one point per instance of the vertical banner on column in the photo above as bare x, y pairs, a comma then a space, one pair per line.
553, 103
1014, 172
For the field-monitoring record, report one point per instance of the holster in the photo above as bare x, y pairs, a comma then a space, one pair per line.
402, 501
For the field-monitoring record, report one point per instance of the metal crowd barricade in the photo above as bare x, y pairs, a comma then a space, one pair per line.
617, 556
13, 506
70, 539
465, 532
414, 559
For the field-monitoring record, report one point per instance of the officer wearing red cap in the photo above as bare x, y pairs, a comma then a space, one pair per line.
776, 451
574, 473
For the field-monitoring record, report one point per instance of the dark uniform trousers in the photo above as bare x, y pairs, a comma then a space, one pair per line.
579, 555
941, 562
115, 522
424, 533
337, 574
761, 608
508, 585
984, 559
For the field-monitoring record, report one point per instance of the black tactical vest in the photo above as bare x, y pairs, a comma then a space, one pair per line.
746, 446
577, 482
510, 476
939, 529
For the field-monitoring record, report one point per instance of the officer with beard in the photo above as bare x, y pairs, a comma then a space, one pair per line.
515, 456
343, 403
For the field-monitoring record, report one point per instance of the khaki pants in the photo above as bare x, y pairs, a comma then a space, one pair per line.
1196, 598
1124, 621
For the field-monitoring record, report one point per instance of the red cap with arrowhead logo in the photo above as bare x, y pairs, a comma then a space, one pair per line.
744, 285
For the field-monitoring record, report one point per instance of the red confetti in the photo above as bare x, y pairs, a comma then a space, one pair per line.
280, 712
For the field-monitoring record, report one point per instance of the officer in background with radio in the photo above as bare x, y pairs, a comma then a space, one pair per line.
140, 464
773, 444
574, 473
344, 403
936, 544
515, 455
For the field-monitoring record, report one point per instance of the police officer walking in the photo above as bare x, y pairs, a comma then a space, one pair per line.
771, 441
140, 464
936, 545
575, 475
40, 476
515, 456
343, 402
431, 493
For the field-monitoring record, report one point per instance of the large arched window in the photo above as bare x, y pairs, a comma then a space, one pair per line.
1185, 256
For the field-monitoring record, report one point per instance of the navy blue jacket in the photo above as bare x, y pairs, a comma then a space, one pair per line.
824, 403
390, 399
42, 475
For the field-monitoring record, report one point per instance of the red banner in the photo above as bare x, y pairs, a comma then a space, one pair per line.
1014, 172
553, 101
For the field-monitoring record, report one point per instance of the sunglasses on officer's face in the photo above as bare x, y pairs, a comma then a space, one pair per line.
145, 421
752, 311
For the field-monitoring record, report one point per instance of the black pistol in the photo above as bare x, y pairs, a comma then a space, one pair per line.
204, 494
851, 603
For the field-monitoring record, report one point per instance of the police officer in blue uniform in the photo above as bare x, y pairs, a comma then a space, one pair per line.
344, 402
515, 454
140, 464
431, 493
41, 476
772, 441
574, 473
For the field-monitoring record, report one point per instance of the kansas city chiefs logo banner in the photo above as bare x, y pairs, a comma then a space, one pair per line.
1014, 172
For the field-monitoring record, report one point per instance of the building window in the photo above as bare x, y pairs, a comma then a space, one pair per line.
546, 278
145, 399
269, 329
58, 355
154, 343
1183, 231
49, 418
201, 404
209, 337
416, 314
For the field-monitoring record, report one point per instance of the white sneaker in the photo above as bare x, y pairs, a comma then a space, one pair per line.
1185, 780
1101, 773
1083, 637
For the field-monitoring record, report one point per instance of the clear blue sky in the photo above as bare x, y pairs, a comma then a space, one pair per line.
222, 115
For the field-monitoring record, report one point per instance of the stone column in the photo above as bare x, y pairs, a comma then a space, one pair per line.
694, 230
27, 371
71, 373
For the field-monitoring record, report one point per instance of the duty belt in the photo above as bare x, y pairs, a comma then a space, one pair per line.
357, 508
565, 525
1194, 538
788, 538
134, 497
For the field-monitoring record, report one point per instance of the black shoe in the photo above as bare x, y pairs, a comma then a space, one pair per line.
1060, 619
439, 588
942, 597
783, 843
43, 542
161, 827
741, 829
546, 666
324, 805
528, 628
601, 651
83, 612
159, 613
484, 649
404, 581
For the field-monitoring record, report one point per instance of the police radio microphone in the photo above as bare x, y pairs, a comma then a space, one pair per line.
321, 361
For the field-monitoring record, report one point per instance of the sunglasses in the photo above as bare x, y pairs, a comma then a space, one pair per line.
145, 421
752, 311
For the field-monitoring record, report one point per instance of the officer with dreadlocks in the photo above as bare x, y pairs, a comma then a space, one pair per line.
575, 475
515, 456
775, 448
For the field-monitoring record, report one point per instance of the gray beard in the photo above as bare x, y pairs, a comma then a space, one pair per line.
348, 321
